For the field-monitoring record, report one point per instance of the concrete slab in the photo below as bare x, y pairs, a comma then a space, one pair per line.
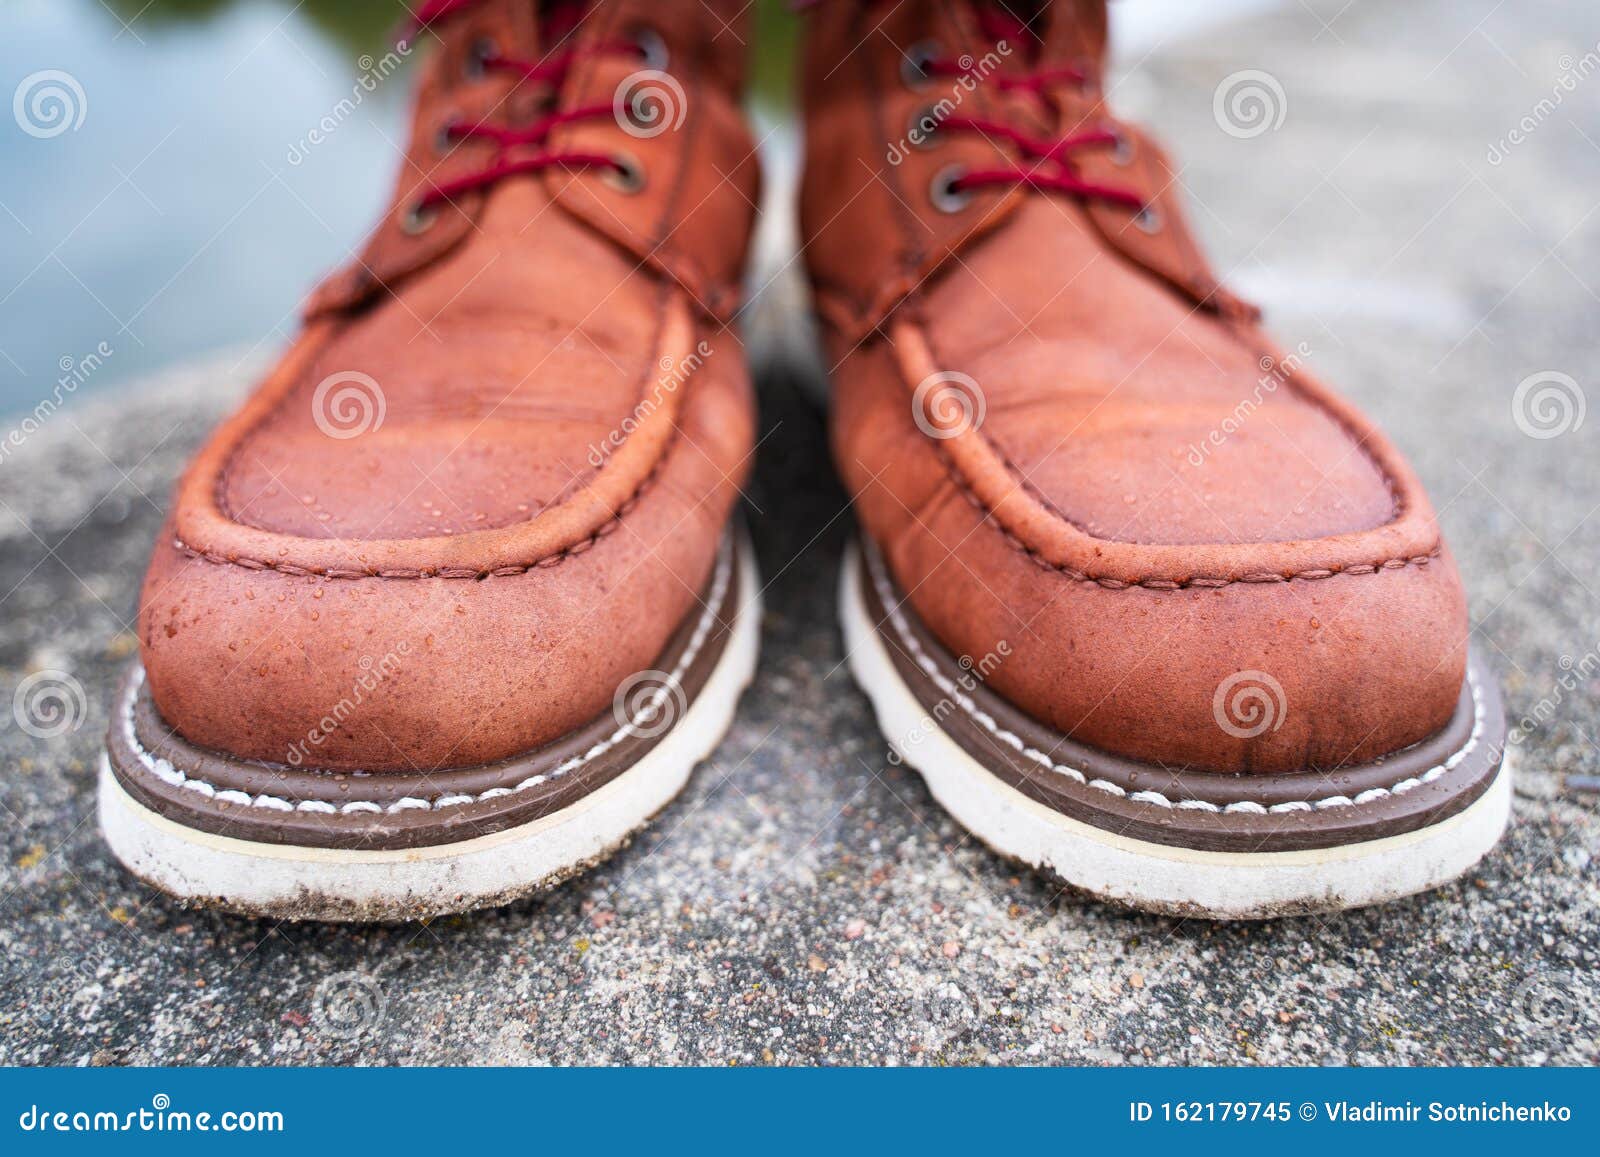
806, 903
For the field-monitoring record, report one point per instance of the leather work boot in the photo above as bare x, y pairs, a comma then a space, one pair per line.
1148, 606
454, 604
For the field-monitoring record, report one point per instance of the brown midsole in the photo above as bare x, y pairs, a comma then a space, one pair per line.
1206, 810
327, 809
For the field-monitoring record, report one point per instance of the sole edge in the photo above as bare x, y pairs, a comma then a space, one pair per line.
1157, 877
289, 882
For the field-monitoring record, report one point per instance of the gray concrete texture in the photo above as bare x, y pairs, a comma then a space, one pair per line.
804, 902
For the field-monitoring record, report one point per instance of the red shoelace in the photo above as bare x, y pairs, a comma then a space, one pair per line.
1053, 171
559, 19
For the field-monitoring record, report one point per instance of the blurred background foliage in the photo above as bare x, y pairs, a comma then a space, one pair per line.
361, 26
190, 210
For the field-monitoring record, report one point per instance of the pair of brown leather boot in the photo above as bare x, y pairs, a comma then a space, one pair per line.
457, 601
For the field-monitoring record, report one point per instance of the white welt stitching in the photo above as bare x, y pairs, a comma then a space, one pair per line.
163, 769
887, 596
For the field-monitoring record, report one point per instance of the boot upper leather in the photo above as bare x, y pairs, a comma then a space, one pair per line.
506, 446
1066, 435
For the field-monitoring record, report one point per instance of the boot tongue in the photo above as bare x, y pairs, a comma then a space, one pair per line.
1073, 31
1053, 33
536, 25
1017, 22
559, 17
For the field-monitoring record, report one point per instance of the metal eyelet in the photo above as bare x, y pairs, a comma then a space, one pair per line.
1123, 151
418, 220
1149, 219
639, 108
483, 50
652, 48
625, 174
942, 191
923, 125
914, 63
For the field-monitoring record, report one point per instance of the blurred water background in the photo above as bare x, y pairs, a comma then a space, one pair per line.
183, 213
